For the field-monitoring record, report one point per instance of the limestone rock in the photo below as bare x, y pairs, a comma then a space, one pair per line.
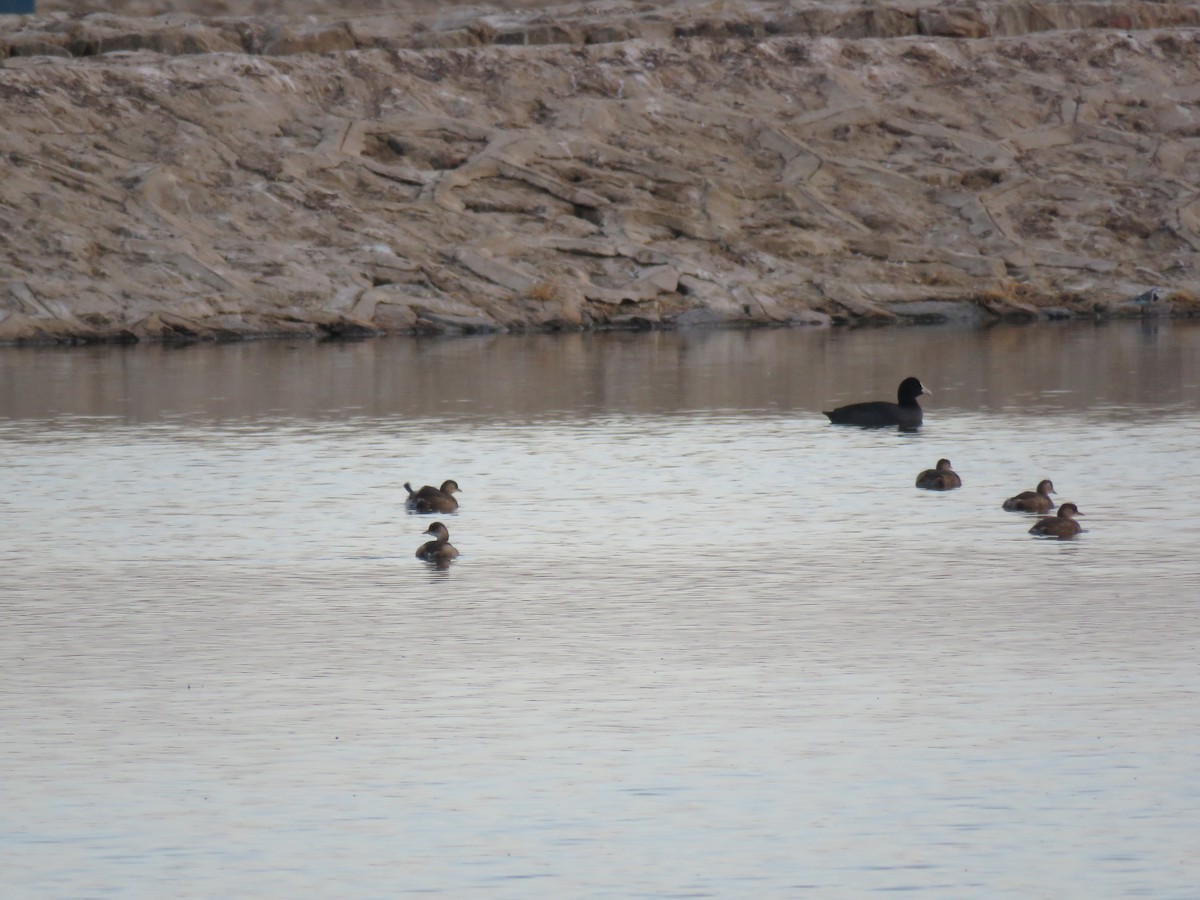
201, 169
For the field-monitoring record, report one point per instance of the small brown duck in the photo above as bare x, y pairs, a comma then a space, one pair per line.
432, 500
1062, 525
1033, 501
439, 549
939, 478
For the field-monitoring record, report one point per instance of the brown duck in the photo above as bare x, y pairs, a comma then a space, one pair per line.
432, 500
1062, 525
1033, 501
439, 549
939, 478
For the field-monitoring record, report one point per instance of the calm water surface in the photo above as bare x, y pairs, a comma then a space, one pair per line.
699, 642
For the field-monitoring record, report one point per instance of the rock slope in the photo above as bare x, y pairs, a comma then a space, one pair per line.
217, 172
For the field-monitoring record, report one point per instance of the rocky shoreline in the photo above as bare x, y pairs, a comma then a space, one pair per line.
212, 172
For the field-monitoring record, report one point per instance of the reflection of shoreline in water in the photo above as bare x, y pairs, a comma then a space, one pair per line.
506, 378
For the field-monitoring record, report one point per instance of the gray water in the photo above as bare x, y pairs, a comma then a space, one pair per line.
699, 642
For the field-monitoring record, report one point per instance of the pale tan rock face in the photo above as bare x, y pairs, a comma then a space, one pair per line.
216, 171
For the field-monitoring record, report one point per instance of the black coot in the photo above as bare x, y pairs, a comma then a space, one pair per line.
905, 412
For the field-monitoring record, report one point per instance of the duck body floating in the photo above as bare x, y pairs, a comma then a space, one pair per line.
439, 550
904, 413
940, 478
1062, 525
432, 500
1033, 501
